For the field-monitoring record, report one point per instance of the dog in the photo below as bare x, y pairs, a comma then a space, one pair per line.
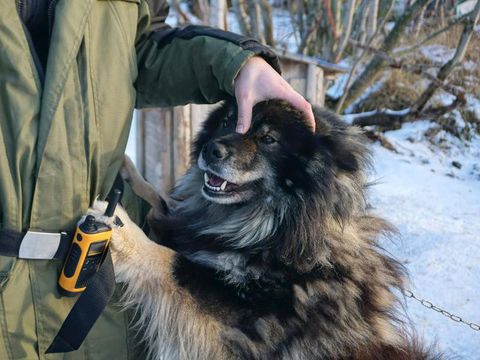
266, 249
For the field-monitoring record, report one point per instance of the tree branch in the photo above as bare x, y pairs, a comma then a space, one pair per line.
418, 69
372, 71
401, 52
394, 119
446, 69
346, 89
347, 20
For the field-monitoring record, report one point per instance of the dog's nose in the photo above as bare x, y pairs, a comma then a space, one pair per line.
216, 151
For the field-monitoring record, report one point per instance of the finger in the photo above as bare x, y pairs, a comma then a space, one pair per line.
310, 116
299, 102
244, 115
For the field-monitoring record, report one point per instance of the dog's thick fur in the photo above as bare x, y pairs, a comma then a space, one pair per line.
286, 265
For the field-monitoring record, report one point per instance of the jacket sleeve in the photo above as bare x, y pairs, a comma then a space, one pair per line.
193, 64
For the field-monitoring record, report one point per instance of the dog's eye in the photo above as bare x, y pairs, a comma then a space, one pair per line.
267, 139
225, 123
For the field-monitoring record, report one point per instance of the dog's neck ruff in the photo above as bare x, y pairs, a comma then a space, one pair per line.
245, 228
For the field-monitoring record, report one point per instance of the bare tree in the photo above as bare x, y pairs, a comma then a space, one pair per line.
201, 9
254, 18
361, 56
374, 68
240, 9
388, 119
218, 10
266, 9
345, 29
446, 70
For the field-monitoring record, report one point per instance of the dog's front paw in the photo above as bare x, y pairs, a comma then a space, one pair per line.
122, 227
119, 219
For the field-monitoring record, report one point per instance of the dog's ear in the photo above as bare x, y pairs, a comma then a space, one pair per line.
346, 144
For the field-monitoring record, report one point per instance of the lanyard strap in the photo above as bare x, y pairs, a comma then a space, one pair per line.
86, 310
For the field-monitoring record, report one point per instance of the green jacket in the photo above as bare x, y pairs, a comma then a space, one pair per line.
63, 136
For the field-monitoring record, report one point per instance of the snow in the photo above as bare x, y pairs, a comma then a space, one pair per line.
131, 149
437, 53
437, 217
350, 118
473, 105
336, 89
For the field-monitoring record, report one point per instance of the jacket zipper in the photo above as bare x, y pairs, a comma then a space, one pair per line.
36, 60
51, 15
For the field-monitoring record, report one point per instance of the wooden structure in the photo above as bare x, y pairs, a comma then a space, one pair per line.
164, 136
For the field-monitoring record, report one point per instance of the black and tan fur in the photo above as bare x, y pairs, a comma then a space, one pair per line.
284, 266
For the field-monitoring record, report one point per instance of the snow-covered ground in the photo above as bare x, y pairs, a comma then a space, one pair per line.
436, 209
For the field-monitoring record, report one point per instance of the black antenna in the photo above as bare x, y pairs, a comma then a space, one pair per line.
112, 204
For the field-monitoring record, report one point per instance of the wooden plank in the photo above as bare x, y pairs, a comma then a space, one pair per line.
314, 85
295, 74
158, 143
181, 140
199, 114
140, 141
328, 68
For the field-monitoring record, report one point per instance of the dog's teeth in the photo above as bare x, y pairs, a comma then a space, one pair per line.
223, 186
205, 176
214, 188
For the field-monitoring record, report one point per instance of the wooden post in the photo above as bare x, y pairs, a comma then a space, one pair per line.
181, 140
140, 141
157, 125
314, 85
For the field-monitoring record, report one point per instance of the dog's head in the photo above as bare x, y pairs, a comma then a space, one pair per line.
279, 155
279, 181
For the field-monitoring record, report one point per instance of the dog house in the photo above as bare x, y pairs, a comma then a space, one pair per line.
164, 135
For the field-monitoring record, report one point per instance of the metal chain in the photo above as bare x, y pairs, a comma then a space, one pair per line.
445, 313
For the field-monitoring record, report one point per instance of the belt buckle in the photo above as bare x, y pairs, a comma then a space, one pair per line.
39, 245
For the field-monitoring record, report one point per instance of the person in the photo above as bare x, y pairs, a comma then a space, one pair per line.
71, 73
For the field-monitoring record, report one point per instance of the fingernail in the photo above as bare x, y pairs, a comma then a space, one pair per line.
240, 129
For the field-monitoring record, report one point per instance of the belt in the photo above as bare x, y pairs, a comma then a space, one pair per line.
89, 305
34, 244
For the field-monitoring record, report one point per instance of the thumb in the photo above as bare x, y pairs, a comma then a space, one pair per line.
244, 115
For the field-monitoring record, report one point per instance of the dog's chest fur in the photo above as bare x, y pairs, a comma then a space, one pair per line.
272, 310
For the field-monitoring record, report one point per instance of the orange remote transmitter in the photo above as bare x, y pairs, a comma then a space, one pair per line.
88, 249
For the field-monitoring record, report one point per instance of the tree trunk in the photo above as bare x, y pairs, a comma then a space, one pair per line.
360, 56
201, 9
372, 18
242, 17
266, 9
254, 13
217, 13
346, 29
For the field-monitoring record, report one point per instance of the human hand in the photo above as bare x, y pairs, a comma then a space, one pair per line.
258, 81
